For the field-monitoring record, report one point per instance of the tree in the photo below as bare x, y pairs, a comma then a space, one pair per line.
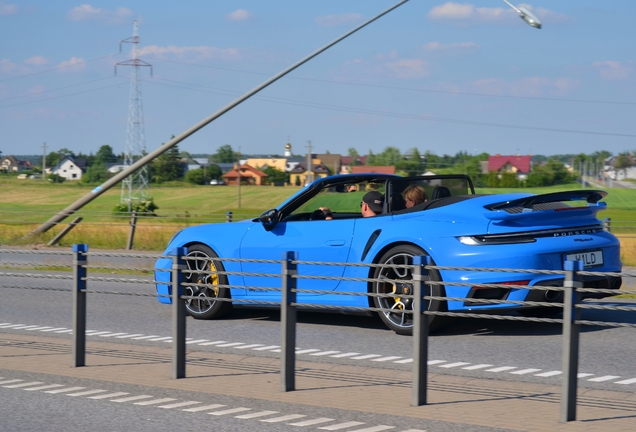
214, 171
105, 154
355, 161
97, 173
168, 166
411, 165
276, 175
198, 176
225, 154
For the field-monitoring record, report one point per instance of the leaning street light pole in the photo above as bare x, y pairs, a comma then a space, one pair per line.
176, 140
526, 15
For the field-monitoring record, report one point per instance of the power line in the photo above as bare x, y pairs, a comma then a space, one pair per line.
54, 69
55, 89
411, 89
397, 115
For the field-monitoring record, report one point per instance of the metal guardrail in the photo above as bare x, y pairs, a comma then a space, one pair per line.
78, 262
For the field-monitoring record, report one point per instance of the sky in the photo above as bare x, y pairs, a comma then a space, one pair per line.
439, 76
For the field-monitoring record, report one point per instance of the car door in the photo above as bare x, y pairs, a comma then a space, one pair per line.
314, 240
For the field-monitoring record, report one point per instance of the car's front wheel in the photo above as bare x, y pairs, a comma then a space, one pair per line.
396, 280
205, 303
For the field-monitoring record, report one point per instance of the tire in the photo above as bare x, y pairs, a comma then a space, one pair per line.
402, 323
206, 307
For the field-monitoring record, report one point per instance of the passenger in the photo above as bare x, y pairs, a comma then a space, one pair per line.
414, 195
371, 204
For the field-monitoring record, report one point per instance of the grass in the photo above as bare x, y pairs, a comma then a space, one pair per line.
28, 203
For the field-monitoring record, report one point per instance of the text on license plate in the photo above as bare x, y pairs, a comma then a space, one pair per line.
590, 259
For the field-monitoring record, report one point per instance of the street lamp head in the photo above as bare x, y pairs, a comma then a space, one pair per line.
529, 17
525, 14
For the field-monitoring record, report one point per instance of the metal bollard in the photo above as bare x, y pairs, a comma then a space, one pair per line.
228, 216
420, 331
570, 340
131, 234
607, 224
79, 304
178, 314
288, 322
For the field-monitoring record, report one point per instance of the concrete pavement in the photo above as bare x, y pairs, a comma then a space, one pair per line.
479, 402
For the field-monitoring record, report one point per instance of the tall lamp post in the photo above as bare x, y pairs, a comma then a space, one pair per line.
525, 15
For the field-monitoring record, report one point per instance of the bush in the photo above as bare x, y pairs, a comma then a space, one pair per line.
146, 207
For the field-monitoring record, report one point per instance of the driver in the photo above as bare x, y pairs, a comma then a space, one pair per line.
371, 204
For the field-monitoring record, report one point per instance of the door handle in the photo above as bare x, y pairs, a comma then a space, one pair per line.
335, 242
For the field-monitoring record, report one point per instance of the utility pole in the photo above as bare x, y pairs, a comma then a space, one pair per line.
44, 161
310, 176
74, 207
135, 187
238, 171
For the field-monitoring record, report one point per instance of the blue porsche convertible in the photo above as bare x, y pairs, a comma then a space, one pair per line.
438, 215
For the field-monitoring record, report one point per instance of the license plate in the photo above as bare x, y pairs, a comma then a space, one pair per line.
590, 259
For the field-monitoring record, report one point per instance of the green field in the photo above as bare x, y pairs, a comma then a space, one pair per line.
28, 203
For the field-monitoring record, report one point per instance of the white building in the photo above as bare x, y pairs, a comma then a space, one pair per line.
69, 168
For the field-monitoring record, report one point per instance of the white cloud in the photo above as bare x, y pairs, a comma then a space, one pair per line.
340, 19
436, 46
530, 86
87, 12
466, 13
408, 68
613, 70
7, 66
36, 61
192, 53
74, 64
239, 15
8, 9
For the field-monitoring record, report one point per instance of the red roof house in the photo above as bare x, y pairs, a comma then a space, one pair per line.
521, 165
248, 175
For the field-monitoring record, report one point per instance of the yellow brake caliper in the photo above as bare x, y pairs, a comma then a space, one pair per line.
214, 279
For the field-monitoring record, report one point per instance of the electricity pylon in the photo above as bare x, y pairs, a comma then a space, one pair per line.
134, 188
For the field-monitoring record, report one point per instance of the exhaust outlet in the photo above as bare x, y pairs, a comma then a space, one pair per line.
553, 296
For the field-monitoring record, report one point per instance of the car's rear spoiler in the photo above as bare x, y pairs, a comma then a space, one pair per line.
591, 196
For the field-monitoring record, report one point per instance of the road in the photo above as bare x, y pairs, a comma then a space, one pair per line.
482, 348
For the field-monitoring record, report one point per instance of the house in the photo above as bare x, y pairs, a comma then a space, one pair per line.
331, 161
299, 175
262, 163
70, 168
11, 164
346, 162
520, 165
372, 169
247, 174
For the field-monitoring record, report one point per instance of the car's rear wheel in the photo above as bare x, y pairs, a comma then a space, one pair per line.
206, 304
396, 280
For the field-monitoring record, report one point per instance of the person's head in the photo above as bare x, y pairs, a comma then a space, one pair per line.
371, 204
414, 195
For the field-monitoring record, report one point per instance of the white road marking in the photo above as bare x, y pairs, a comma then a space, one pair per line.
40, 328
55, 329
265, 348
284, 418
212, 343
29, 384
65, 331
604, 378
584, 375
230, 411
548, 374
524, 371
374, 429
256, 414
312, 422
343, 355
452, 365
10, 381
145, 337
501, 369
44, 387
155, 401
179, 404
112, 334
67, 389
95, 333
408, 360
475, 367
86, 393
366, 356
22, 327
231, 344
384, 359
204, 408
129, 336
249, 346
131, 398
341, 425
163, 338
324, 353
307, 351
627, 381
108, 395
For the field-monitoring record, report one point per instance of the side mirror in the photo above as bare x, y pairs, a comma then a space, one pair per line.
269, 219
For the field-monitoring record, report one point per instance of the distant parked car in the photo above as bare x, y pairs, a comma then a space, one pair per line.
215, 182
